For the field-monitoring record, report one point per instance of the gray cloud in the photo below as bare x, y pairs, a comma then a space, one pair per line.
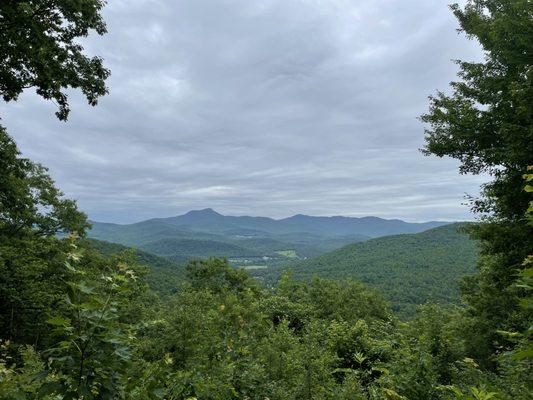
268, 107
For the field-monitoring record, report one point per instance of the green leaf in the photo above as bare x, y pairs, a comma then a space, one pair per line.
520, 355
40, 376
70, 267
84, 288
159, 393
528, 272
59, 321
94, 305
50, 388
392, 395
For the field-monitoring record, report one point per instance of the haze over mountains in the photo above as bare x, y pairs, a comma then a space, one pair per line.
204, 233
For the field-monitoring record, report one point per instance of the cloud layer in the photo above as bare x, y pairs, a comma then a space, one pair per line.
267, 107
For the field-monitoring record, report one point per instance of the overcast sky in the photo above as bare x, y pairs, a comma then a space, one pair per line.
267, 107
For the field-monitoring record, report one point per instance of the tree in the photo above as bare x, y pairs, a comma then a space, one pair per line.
32, 213
92, 353
38, 48
486, 123
217, 275
29, 201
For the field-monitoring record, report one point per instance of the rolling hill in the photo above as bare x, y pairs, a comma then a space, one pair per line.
196, 248
408, 269
163, 275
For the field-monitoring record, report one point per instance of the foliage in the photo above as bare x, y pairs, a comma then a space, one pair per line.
525, 282
217, 275
79, 325
162, 276
39, 48
19, 382
245, 346
194, 248
29, 201
486, 123
32, 214
475, 393
92, 353
409, 270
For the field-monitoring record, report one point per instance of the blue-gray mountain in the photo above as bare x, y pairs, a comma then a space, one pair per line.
249, 240
208, 220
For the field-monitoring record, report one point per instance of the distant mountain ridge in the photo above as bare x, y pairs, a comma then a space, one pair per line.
248, 240
211, 221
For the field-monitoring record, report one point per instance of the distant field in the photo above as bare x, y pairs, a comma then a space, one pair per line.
253, 266
288, 253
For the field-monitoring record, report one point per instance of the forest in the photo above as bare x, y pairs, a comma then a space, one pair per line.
408, 270
82, 318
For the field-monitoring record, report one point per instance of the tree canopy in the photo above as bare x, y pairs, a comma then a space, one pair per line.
29, 201
40, 47
486, 122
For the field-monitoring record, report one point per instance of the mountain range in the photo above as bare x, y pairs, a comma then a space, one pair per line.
407, 268
208, 220
249, 240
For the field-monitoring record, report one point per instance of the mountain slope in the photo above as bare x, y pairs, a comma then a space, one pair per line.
194, 248
163, 276
409, 269
142, 232
180, 244
368, 226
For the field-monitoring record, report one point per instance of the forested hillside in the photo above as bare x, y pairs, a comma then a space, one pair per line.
408, 270
163, 276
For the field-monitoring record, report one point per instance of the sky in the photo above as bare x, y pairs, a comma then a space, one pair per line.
264, 107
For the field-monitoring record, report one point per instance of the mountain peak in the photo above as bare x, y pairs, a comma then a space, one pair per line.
298, 216
205, 211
